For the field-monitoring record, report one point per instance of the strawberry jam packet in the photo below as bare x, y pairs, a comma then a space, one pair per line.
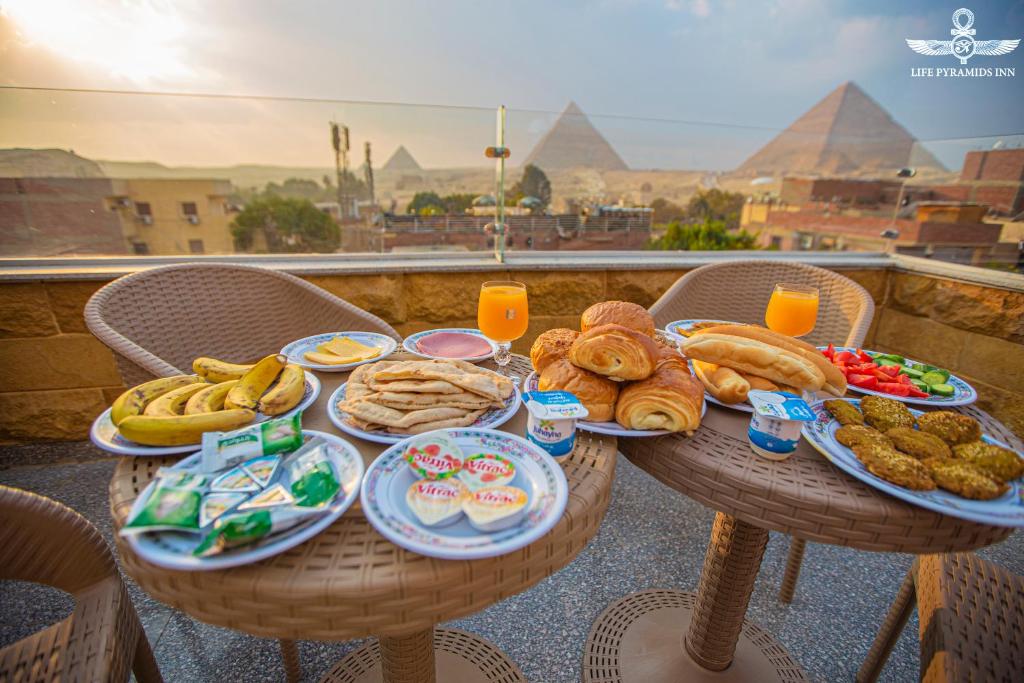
434, 456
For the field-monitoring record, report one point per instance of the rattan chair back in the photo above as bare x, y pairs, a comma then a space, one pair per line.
158, 320
739, 291
45, 542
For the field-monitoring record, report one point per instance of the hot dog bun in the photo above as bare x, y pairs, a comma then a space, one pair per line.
725, 384
835, 381
755, 357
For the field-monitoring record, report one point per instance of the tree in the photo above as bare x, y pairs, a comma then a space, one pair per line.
426, 204
709, 235
716, 205
289, 225
665, 211
534, 183
458, 202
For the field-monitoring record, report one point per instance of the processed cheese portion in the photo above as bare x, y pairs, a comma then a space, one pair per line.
342, 350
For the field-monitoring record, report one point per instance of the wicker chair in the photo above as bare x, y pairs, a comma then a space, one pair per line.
739, 291
45, 542
972, 621
157, 321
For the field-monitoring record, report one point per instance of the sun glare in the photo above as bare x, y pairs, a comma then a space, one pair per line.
138, 40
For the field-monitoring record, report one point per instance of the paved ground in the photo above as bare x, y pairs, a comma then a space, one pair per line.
652, 537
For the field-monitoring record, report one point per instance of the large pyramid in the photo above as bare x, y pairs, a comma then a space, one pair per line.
847, 132
401, 160
574, 142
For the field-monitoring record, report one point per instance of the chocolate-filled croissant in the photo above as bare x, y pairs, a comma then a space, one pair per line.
671, 399
616, 352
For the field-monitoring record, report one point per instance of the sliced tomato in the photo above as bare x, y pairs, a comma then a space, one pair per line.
917, 393
845, 357
864, 357
894, 388
863, 381
881, 374
830, 352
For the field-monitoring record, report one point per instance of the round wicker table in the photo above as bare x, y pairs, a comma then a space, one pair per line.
661, 636
349, 582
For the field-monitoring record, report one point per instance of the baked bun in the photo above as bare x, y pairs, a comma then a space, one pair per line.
671, 399
756, 358
633, 316
615, 351
597, 393
725, 384
550, 346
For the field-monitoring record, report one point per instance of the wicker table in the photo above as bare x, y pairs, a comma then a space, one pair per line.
349, 582
657, 636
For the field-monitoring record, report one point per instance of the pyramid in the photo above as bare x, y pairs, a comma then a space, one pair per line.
573, 142
401, 160
846, 132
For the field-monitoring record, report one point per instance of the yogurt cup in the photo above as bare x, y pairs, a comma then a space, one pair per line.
776, 422
551, 423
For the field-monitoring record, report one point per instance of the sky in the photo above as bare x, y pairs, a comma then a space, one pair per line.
696, 84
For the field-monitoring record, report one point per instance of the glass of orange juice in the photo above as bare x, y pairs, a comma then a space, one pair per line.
502, 316
792, 310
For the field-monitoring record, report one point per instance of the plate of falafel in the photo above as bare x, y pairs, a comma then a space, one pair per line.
939, 460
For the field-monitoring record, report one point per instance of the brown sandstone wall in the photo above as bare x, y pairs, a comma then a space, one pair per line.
54, 377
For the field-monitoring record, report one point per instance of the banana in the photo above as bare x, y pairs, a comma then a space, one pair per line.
286, 393
214, 370
246, 394
173, 402
179, 430
210, 398
135, 400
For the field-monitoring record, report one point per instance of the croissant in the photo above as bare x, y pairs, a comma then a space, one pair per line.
671, 399
616, 352
552, 345
595, 392
625, 313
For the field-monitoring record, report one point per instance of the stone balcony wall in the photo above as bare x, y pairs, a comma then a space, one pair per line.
55, 377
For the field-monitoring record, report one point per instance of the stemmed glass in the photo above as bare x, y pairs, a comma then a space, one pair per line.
502, 315
792, 310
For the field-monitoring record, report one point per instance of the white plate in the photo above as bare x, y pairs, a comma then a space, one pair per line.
389, 478
1006, 510
745, 406
610, 428
689, 324
964, 394
492, 419
173, 550
410, 343
294, 351
105, 435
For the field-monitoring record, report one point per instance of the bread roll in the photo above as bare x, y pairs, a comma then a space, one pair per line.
633, 316
550, 346
669, 399
754, 357
835, 381
616, 352
597, 393
763, 384
725, 384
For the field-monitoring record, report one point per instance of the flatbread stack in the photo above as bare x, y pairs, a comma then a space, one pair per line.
416, 396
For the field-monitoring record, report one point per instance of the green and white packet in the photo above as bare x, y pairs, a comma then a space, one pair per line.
313, 481
167, 509
242, 528
222, 450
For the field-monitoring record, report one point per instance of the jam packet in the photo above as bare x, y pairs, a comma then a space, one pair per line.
487, 469
312, 478
228, 449
168, 508
242, 528
434, 456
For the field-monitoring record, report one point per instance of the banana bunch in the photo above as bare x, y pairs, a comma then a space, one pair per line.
174, 411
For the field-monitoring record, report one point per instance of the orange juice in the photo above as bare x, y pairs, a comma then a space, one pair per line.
792, 311
503, 313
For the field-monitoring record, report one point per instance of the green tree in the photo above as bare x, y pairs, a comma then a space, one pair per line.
458, 202
709, 235
666, 211
534, 183
717, 205
289, 225
426, 204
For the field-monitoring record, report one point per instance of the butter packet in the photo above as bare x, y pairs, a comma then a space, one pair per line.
167, 509
312, 478
242, 528
216, 504
228, 449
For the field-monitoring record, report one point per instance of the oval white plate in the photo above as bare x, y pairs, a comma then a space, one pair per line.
611, 428
296, 349
389, 477
744, 407
1003, 511
492, 419
688, 325
964, 394
174, 550
105, 435
410, 343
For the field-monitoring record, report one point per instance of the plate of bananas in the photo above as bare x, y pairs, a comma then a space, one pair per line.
170, 415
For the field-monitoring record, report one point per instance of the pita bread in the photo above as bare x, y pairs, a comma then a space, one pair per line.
373, 412
482, 382
422, 427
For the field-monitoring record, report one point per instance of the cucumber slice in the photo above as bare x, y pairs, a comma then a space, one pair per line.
921, 386
942, 389
892, 356
910, 372
932, 378
882, 362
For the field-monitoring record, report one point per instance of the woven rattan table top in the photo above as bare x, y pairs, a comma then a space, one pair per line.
349, 582
804, 496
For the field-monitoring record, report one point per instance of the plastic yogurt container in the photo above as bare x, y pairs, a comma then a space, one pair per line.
775, 425
552, 420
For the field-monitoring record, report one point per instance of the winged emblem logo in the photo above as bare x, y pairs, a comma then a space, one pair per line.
963, 45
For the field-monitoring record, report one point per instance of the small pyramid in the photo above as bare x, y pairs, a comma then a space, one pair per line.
845, 132
401, 160
574, 142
